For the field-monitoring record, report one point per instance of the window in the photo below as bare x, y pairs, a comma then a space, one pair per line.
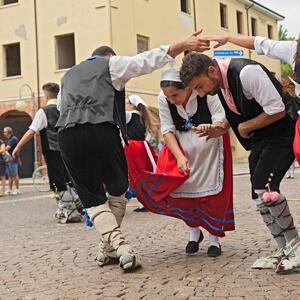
142, 43
270, 31
7, 2
239, 21
65, 51
185, 7
12, 59
223, 15
253, 26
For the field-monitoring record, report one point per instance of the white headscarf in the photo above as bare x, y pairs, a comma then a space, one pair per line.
171, 74
136, 100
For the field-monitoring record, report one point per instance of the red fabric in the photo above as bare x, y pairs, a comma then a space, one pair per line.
214, 213
138, 159
297, 140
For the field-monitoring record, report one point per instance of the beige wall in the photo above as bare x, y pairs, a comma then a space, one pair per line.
161, 21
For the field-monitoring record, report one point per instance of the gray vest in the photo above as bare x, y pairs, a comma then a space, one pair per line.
88, 96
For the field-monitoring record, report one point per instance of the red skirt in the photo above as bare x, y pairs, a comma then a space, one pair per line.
140, 155
297, 140
214, 213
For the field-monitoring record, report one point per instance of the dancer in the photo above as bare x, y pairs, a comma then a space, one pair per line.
287, 51
202, 167
139, 124
254, 105
92, 110
68, 203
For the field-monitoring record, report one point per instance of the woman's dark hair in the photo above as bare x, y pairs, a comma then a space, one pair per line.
168, 83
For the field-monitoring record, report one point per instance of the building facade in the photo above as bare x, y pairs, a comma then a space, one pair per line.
41, 39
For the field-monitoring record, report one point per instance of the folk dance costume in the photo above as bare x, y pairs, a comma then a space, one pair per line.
92, 112
204, 197
138, 150
68, 203
285, 51
249, 90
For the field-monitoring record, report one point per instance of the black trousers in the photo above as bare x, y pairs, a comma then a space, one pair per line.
95, 159
271, 155
57, 173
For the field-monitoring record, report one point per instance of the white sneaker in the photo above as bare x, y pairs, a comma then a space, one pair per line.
8, 193
269, 262
15, 192
292, 259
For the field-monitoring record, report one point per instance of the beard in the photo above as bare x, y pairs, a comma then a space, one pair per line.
215, 86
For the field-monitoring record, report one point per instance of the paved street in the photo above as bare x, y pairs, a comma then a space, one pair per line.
40, 259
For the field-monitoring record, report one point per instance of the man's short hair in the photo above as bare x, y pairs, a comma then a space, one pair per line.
103, 51
8, 129
51, 88
194, 64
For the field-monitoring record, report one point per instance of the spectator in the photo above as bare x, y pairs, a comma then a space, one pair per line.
2, 167
11, 142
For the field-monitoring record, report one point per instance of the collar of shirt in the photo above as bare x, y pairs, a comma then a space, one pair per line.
52, 101
190, 108
223, 66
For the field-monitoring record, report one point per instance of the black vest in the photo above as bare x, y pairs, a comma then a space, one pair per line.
249, 108
48, 135
136, 130
88, 96
201, 116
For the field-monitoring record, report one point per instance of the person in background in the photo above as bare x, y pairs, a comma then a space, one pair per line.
2, 168
11, 142
139, 124
44, 122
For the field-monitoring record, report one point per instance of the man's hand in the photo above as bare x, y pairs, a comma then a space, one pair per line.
193, 43
202, 129
221, 40
213, 130
16, 151
244, 131
183, 164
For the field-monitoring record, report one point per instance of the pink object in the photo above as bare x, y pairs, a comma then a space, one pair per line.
223, 65
271, 196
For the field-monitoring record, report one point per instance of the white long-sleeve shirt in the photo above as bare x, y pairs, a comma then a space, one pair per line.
167, 125
123, 68
283, 50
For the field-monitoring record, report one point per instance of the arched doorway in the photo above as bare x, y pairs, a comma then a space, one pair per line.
19, 122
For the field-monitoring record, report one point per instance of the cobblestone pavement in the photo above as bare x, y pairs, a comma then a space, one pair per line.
40, 259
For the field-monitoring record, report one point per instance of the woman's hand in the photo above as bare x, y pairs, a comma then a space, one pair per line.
183, 164
202, 129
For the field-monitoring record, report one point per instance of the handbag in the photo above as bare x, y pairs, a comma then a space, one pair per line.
7, 157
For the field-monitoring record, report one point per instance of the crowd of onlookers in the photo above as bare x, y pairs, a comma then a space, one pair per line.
9, 164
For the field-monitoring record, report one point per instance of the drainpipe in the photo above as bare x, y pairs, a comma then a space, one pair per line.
248, 27
37, 55
110, 23
195, 18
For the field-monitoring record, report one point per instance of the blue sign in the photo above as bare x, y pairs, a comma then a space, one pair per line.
228, 52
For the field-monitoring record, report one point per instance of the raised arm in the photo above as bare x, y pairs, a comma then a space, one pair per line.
123, 68
239, 40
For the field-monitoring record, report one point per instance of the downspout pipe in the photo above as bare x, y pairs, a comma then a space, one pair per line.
37, 54
248, 26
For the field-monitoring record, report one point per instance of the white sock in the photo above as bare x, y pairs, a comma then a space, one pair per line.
213, 240
194, 234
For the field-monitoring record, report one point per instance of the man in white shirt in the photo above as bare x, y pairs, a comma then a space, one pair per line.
44, 122
254, 106
92, 111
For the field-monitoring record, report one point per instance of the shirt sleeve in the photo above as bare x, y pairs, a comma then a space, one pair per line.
256, 84
123, 68
39, 121
128, 116
216, 109
166, 121
283, 50
59, 100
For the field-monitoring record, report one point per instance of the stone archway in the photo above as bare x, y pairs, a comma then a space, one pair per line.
19, 122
